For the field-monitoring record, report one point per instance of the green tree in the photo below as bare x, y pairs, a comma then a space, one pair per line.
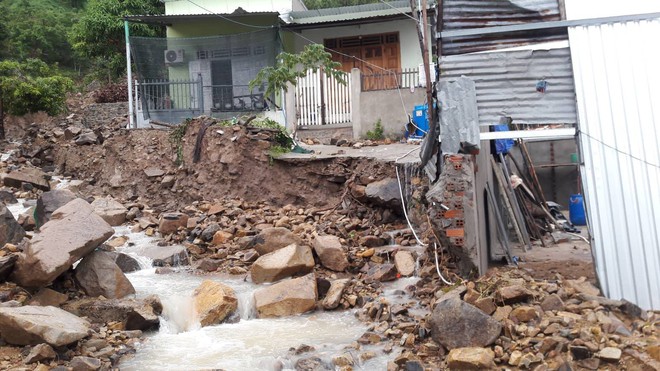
320, 4
289, 67
99, 34
31, 86
36, 29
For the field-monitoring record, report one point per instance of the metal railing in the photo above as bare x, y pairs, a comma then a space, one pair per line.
168, 98
403, 79
235, 98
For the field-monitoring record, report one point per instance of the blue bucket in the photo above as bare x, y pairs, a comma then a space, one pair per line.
576, 210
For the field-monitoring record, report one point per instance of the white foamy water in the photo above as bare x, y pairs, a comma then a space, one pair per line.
249, 344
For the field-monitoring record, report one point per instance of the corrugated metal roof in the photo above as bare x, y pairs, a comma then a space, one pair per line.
617, 77
347, 13
464, 14
506, 84
162, 18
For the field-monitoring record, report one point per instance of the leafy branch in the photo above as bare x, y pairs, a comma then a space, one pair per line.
289, 67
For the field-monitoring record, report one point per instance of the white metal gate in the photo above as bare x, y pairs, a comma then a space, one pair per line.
322, 100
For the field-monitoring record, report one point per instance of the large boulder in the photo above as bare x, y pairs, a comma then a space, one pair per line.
31, 325
286, 298
47, 297
73, 232
135, 314
457, 324
171, 222
110, 210
271, 239
330, 252
385, 193
213, 302
162, 256
282, 263
126, 263
33, 176
99, 275
50, 201
10, 230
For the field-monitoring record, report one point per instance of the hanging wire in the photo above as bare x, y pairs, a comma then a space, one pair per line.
618, 150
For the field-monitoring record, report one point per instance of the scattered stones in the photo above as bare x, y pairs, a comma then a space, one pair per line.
470, 358
31, 325
282, 263
330, 252
99, 275
286, 298
214, 301
457, 324
73, 232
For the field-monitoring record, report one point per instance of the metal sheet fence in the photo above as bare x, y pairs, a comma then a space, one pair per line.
532, 87
617, 79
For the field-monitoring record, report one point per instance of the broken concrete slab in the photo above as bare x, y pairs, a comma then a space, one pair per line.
73, 232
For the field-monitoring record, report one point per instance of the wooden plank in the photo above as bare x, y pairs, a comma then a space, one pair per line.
507, 202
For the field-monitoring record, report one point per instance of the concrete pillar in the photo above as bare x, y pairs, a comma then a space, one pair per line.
290, 108
356, 91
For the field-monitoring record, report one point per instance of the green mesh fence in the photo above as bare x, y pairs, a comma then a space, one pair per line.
179, 78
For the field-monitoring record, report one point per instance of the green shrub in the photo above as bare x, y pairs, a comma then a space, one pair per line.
377, 133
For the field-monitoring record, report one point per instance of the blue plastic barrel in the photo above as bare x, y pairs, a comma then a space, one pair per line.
421, 120
576, 210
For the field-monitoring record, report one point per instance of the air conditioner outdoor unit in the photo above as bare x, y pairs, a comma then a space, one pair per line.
174, 56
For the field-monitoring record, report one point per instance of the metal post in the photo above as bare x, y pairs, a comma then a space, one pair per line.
131, 120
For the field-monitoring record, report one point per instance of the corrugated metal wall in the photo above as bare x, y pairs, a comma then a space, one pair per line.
617, 74
506, 84
464, 14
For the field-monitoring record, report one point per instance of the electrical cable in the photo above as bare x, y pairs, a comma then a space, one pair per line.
400, 11
405, 213
618, 150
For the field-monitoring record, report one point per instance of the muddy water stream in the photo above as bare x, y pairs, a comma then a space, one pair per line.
247, 343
